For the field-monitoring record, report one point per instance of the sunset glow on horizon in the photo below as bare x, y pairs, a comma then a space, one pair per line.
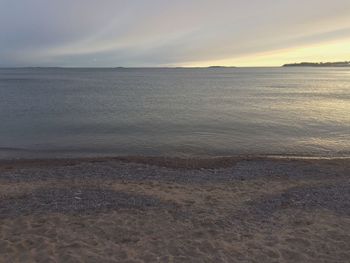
337, 51
87, 33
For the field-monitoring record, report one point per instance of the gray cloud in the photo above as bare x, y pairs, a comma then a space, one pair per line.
160, 32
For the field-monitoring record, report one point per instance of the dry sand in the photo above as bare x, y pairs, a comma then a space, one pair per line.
141, 209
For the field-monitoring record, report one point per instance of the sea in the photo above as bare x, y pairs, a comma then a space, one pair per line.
183, 112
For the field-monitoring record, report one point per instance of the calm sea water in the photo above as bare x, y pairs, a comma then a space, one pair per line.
174, 112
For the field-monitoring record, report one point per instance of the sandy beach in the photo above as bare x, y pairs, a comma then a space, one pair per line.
138, 209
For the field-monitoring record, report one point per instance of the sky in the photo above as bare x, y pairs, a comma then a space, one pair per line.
157, 33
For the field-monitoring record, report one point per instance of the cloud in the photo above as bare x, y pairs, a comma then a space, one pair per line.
161, 32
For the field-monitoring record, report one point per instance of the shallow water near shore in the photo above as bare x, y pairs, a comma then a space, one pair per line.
174, 112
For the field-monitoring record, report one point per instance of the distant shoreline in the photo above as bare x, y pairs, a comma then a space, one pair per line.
297, 64
320, 64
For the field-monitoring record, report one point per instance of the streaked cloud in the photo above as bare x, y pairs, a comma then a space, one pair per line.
175, 33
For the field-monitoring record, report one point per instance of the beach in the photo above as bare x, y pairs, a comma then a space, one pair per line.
144, 209
175, 131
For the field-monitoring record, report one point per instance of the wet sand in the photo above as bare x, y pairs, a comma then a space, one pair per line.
138, 209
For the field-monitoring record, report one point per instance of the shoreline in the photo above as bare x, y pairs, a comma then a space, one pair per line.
170, 161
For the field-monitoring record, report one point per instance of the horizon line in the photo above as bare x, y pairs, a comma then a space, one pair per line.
138, 67
174, 67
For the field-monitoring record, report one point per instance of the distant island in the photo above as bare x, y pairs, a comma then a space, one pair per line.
219, 67
321, 64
